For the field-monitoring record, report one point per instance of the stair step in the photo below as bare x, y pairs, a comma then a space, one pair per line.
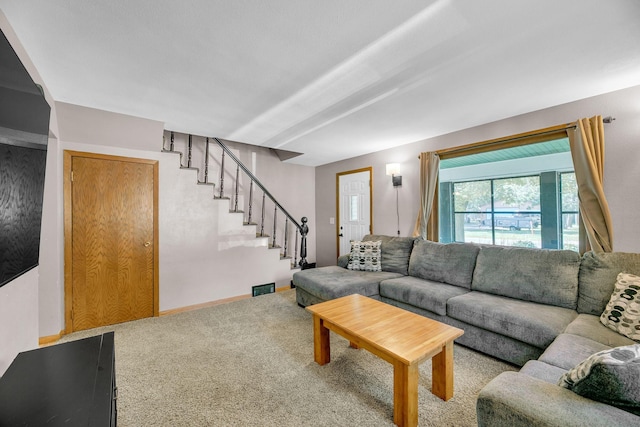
206, 183
222, 198
164, 150
238, 211
187, 168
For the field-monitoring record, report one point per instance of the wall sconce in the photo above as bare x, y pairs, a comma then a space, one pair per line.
393, 169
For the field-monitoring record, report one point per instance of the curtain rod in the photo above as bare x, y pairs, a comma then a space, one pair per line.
568, 126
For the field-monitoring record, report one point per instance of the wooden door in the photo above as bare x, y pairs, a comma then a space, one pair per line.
112, 239
354, 207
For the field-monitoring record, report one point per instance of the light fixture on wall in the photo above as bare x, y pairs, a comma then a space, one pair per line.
393, 169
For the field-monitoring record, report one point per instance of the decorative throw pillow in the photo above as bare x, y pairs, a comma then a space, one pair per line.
365, 256
622, 313
610, 376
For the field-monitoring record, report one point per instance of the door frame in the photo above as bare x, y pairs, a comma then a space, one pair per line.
68, 222
338, 175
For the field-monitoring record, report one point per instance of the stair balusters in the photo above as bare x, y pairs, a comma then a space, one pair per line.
295, 251
286, 234
235, 208
190, 150
262, 218
222, 176
250, 202
300, 230
206, 162
275, 226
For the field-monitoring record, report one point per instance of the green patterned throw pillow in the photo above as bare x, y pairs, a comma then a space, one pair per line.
622, 313
610, 376
365, 256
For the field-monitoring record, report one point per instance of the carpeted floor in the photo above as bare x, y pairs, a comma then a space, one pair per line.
250, 363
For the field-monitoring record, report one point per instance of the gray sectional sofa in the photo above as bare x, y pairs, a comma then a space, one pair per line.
535, 308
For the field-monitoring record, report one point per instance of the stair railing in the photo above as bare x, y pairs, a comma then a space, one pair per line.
302, 229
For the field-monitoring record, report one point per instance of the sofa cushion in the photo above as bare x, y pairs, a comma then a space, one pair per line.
543, 371
515, 399
622, 313
334, 282
532, 323
451, 263
568, 350
611, 376
425, 294
365, 256
544, 276
598, 273
589, 326
395, 252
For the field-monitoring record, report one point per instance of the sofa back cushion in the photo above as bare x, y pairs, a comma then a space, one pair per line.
598, 274
395, 252
451, 263
545, 276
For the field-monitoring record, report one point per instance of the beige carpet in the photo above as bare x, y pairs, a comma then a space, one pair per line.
250, 363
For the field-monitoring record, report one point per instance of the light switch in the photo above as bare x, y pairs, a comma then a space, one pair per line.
332, 220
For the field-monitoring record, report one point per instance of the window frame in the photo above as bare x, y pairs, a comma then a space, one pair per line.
517, 140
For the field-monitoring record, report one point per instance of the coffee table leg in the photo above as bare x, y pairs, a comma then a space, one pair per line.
405, 394
321, 349
442, 372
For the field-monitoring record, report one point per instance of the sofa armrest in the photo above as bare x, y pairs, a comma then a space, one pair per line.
343, 261
517, 400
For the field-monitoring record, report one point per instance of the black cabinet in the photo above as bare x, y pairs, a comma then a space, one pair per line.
70, 384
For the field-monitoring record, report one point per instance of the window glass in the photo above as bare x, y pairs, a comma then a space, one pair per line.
570, 212
518, 196
353, 208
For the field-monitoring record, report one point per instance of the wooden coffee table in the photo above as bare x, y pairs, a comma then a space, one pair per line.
400, 337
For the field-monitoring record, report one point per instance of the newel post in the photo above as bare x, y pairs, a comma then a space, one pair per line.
304, 229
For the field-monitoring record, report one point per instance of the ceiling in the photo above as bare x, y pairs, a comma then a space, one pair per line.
330, 79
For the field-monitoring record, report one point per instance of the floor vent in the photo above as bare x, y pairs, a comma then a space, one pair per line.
268, 288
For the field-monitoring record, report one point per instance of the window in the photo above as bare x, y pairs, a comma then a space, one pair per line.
522, 195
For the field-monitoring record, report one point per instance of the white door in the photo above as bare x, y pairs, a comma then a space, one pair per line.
354, 208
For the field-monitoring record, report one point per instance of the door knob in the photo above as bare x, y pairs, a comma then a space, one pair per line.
340, 235
147, 244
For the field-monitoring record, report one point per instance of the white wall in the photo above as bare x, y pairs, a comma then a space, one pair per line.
622, 158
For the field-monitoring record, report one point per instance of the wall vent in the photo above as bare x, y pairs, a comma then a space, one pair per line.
267, 288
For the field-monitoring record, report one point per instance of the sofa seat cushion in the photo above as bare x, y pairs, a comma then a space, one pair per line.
598, 273
589, 326
535, 324
334, 282
451, 263
544, 276
543, 371
568, 350
395, 252
424, 294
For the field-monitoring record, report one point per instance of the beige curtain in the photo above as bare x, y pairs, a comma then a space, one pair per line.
429, 168
587, 150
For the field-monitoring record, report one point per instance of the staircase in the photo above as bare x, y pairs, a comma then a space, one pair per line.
253, 217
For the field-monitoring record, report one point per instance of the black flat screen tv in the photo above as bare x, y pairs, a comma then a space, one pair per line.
24, 130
